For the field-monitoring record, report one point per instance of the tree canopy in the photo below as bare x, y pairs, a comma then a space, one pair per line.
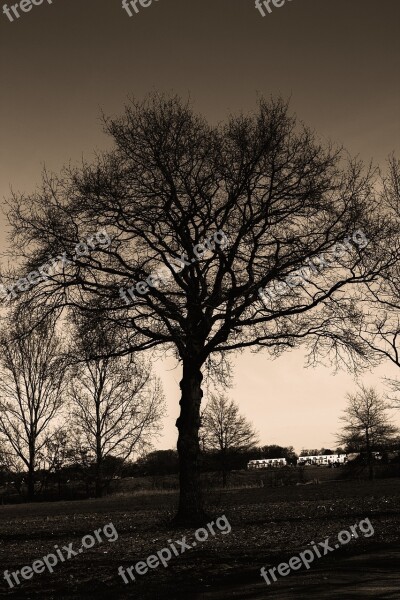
248, 234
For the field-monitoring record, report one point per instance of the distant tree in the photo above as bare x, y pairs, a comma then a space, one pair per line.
32, 390
117, 404
309, 452
57, 454
367, 425
275, 451
225, 430
4, 464
159, 462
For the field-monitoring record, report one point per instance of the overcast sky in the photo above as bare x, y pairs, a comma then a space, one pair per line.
338, 61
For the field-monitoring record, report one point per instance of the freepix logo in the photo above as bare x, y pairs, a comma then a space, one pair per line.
261, 5
177, 548
303, 275
62, 554
306, 557
128, 5
13, 12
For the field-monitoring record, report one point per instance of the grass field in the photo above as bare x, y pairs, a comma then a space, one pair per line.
269, 525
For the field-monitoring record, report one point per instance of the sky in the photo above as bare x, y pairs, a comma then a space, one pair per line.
63, 64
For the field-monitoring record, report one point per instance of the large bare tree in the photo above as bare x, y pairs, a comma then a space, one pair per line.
32, 386
290, 212
224, 429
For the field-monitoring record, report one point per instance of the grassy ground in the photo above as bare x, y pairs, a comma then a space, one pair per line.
269, 525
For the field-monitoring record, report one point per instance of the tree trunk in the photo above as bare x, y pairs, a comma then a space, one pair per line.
98, 491
223, 477
191, 509
31, 470
224, 468
369, 457
31, 483
99, 483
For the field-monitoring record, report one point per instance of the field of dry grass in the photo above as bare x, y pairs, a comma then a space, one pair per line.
269, 525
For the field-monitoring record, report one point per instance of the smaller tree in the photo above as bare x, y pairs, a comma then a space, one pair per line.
309, 452
276, 451
32, 382
117, 406
159, 462
57, 454
367, 425
225, 430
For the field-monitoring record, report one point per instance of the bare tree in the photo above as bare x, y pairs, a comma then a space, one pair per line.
57, 453
309, 452
32, 385
281, 208
117, 405
275, 451
225, 430
366, 423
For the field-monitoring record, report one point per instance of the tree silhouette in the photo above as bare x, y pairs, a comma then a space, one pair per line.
366, 423
117, 404
225, 430
32, 386
204, 222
